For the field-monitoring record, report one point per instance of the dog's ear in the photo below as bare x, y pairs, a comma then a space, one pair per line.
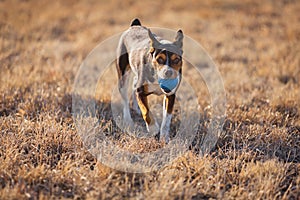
154, 43
178, 39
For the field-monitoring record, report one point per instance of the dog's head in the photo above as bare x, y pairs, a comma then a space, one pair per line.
167, 59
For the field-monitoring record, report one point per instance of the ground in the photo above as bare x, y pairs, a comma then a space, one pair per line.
254, 44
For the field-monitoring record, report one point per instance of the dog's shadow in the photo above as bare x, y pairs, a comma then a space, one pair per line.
109, 129
106, 114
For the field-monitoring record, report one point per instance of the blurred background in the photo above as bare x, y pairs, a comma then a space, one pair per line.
251, 39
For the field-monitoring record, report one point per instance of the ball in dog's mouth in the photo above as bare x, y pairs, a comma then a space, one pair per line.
167, 85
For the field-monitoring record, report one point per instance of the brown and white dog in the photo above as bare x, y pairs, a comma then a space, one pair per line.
151, 59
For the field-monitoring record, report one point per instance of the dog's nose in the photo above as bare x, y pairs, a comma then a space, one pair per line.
168, 73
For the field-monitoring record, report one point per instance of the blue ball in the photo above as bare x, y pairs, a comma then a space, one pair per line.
168, 84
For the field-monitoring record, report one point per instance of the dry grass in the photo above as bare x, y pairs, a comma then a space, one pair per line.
255, 45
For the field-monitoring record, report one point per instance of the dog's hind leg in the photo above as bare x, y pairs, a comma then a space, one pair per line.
135, 104
123, 69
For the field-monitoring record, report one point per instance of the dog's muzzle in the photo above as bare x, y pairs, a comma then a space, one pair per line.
169, 86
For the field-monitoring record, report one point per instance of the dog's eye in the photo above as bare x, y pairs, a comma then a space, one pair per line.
160, 60
176, 61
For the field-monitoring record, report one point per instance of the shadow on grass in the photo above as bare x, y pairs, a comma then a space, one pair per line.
236, 137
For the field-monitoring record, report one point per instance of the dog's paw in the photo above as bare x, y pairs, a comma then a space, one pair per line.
164, 135
127, 123
153, 129
165, 128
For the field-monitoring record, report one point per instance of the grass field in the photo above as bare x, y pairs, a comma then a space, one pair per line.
255, 45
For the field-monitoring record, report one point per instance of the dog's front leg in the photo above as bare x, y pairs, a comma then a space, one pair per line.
142, 101
168, 105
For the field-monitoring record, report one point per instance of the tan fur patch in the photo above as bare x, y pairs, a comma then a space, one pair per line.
176, 65
173, 58
170, 100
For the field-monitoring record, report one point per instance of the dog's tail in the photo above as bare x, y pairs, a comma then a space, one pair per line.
136, 22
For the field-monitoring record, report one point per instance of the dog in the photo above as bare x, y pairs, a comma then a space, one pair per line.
157, 67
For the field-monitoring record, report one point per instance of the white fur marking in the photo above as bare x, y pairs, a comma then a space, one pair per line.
153, 129
165, 125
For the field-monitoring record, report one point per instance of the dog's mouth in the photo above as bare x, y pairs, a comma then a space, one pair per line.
170, 85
